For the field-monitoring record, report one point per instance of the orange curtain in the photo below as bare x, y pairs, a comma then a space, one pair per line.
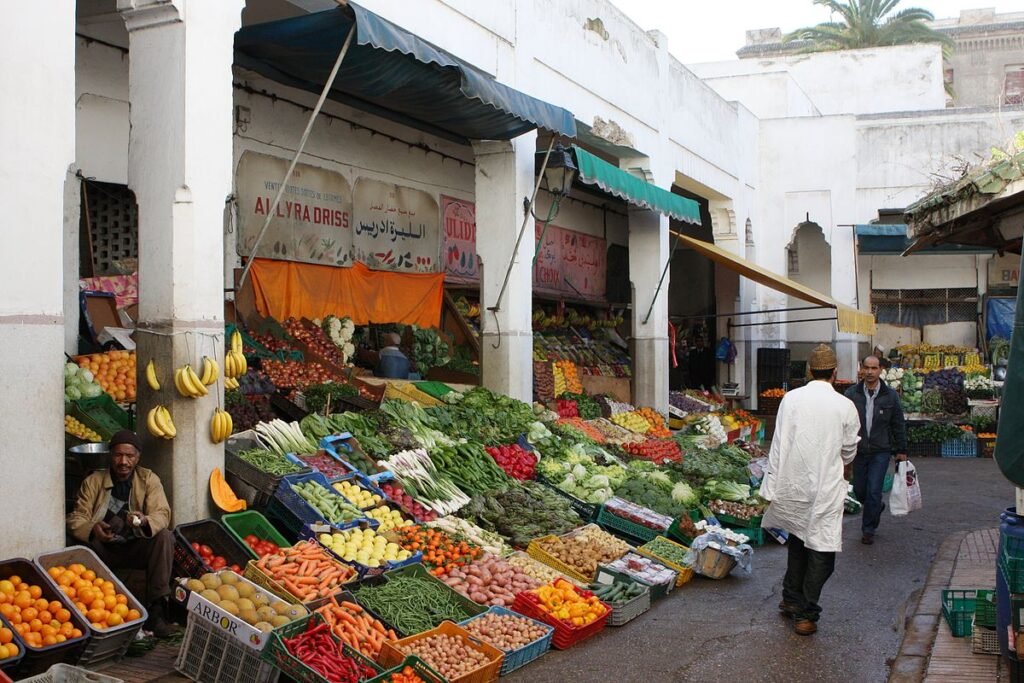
284, 289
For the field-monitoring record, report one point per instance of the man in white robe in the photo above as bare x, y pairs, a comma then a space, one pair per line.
816, 435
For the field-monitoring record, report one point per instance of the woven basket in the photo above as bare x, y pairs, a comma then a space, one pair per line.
714, 564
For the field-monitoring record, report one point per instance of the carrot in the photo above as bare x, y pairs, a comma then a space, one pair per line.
346, 618
351, 606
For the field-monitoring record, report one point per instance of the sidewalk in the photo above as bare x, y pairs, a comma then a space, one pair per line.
929, 652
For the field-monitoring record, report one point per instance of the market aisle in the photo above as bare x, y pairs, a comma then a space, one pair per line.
730, 630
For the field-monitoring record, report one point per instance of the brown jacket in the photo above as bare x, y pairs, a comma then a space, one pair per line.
147, 496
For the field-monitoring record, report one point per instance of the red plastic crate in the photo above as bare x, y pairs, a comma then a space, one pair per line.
566, 635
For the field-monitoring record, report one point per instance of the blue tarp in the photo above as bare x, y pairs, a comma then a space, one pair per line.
999, 314
873, 238
394, 74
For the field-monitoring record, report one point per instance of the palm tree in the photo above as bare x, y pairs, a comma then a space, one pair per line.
865, 24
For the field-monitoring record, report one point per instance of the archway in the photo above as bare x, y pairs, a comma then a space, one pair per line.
809, 262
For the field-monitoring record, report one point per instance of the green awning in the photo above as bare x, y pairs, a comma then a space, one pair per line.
878, 238
615, 181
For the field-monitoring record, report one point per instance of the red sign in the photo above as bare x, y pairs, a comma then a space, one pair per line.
459, 219
584, 264
547, 269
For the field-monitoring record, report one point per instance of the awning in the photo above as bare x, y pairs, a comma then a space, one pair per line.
875, 238
613, 180
849, 319
395, 74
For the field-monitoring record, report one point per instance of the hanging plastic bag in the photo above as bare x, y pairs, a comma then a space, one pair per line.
725, 351
906, 490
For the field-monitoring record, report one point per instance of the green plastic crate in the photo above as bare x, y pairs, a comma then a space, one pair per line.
612, 522
241, 524
436, 389
102, 415
958, 607
985, 608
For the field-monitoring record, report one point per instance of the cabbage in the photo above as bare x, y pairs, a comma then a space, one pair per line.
86, 375
579, 471
684, 494
568, 484
91, 390
597, 481
660, 479
70, 370
72, 393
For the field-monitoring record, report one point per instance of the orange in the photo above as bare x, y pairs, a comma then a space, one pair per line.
22, 600
47, 630
98, 626
4, 654
66, 628
88, 575
110, 602
134, 614
98, 603
35, 625
76, 633
80, 606
61, 637
41, 604
79, 584
14, 579
70, 592
12, 650
109, 589
7, 587
114, 619
6, 636
95, 615
6, 610
35, 592
86, 595
45, 616
54, 606
29, 613
62, 615
15, 618
121, 610
122, 599
49, 640
77, 568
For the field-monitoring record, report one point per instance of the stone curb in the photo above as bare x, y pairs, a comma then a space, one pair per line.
923, 617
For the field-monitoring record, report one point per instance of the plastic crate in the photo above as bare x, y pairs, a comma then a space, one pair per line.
536, 552
187, 561
756, 536
263, 580
260, 486
1011, 562
527, 653
362, 571
363, 482
392, 653
11, 663
964, 446
566, 635
416, 664
609, 520
210, 655
986, 447
418, 571
241, 524
985, 608
277, 654
929, 449
685, 573
290, 508
658, 590
436, 389
625, 612
111, 642
958, 609
769, 405
586, 511
36, 660
984, 639
65, 673
544, 578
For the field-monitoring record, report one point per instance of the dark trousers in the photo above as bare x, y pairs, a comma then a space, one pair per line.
806, 573
868, 476
155, 555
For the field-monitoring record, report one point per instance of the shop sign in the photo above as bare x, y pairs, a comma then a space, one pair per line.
396, 228
459, 218
1004, 271
313, 221
547, 271
584, 263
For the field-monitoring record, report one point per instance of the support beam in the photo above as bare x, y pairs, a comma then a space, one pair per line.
37, 134
180, 168
648, 252
504, 176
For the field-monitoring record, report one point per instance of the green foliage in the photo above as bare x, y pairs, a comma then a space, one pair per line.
870, 23
428, 349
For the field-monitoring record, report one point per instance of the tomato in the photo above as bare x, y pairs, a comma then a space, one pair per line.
218, 562
206, 551
236, 569
196, 547
251, 538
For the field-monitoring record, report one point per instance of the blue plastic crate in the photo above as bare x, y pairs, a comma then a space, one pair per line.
363, 482
965, 446
362, 571
290, 508
527, 653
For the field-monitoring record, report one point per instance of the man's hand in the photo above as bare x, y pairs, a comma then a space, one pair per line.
101, 530
901, 457
139, 521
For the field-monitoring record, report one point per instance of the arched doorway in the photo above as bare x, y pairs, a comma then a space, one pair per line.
809, 262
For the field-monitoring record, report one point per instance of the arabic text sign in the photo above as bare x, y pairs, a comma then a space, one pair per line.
459, 218
312, 222
396, 228
584, 264
547, 271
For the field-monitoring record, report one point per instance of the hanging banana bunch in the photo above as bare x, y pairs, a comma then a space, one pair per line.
235, 364
160, 424
188, 383
151, 378
221, 425
211, 371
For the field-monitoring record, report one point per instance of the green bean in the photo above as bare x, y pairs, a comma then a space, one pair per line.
269, 462
412, 605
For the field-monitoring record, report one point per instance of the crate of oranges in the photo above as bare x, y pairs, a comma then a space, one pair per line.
114, 615
46, 625
12, 649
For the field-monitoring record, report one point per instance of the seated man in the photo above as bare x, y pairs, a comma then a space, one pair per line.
122, 513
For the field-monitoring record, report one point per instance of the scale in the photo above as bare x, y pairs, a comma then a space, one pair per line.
730, 389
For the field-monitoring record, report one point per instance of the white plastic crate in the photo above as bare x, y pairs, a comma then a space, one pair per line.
65, 673
208, 655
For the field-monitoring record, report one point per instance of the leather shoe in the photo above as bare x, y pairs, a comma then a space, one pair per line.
867, 539
805, 627
788, 609
161, 628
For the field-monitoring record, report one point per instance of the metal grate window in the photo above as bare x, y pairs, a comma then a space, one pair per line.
920, 307
110, 227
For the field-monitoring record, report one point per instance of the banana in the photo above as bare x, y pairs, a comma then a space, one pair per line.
230, 383
215, 427
243, 364
151, 379
151, 423
211, 371
229, 423
236, 341
229, 365
179, 383
165, 414
196, 383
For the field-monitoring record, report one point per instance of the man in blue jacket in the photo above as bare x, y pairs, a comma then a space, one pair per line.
883, 434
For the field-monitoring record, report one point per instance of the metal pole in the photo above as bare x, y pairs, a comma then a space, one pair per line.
522, 230
739, 313
785, 322
298, 152
661, 280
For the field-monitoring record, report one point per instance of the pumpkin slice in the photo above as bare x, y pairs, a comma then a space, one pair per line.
222, 495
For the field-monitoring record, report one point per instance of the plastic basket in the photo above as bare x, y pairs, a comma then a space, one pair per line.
65, 673
187, 561
609, 520
210, 655
263, 580
36, 660
685, 573
11, 663
362, 571
714, 564
101, 414
1011, 562
536, 552
242, 524
625, 612
418, 571
277, 654
260, 486
658, 590
586, 511
392, 652
986, 447
566, 635
527, 653
363, 482
984, 640
768, 405
985, 608
958, 609
544, 578
290, 508
929, 449
755, 536
416, 664
965, 446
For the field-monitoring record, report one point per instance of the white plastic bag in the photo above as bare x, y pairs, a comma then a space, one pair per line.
906, 490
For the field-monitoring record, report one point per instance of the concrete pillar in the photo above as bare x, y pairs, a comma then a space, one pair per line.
504, 177
648, 253
179, 166
37, 134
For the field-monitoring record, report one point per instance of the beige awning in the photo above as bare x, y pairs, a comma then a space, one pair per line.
849, 319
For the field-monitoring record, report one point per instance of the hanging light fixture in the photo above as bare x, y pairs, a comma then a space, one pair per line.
560, 171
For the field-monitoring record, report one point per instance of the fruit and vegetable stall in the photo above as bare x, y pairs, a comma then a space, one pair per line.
453, 541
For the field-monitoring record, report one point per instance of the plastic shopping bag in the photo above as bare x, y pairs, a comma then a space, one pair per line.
906, 490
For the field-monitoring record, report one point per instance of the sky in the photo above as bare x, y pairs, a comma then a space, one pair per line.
713, 31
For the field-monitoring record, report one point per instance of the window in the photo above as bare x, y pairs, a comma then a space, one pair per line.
1013, 84
109, 229
920, 307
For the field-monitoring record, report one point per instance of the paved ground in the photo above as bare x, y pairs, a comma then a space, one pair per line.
730, 630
